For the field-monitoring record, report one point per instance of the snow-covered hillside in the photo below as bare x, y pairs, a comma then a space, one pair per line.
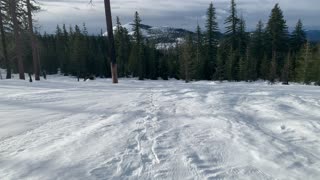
158, 34
62, 129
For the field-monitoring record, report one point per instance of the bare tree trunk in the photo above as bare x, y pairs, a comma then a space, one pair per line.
13, 13
112, 51
36, 68
4, 46
273, 69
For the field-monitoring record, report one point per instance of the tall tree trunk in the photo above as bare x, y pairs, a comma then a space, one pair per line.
17, 38
112, 51
4, 46
36, 64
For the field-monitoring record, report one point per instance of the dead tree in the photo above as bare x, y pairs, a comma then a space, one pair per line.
112, 49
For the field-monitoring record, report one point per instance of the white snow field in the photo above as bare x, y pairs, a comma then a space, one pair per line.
68, 130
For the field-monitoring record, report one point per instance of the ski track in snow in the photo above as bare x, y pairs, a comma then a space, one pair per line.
62, 129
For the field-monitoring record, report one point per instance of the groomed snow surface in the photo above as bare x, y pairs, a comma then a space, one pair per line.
63, 129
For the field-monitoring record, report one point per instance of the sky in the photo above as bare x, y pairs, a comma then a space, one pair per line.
174, 13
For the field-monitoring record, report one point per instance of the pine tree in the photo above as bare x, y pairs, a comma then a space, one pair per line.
172, 58
78, 59
139, 50
304, 65
257, 49
211, 43
199, 53
60, 49
298, 37
242, 39
152, 61
232, 39
232, 22
277, 37
122, 43
187, 65
297, 40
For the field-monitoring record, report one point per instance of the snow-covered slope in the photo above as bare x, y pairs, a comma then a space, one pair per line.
62, 129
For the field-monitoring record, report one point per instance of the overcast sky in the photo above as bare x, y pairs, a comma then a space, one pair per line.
176, 13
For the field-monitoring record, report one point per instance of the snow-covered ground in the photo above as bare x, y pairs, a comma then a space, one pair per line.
62, 129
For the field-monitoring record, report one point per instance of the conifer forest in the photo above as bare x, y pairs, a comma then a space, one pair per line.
232, 53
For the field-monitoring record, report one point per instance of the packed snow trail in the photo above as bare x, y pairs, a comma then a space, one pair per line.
62, 129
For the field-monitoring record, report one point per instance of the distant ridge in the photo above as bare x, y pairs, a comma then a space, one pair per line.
164, 34
313, 35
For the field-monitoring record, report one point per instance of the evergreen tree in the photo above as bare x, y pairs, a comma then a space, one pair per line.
78, 60
232, 38
61, 42
277, 38
122, 43
298, 37
138, 47
199, 54
232, 22
242, 37
257, 49
209, 65
304, 65
187, 60
48, 54
172, 59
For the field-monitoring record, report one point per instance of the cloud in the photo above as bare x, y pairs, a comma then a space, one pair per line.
177, 13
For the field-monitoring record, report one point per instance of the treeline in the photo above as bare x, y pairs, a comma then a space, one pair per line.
269, 53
